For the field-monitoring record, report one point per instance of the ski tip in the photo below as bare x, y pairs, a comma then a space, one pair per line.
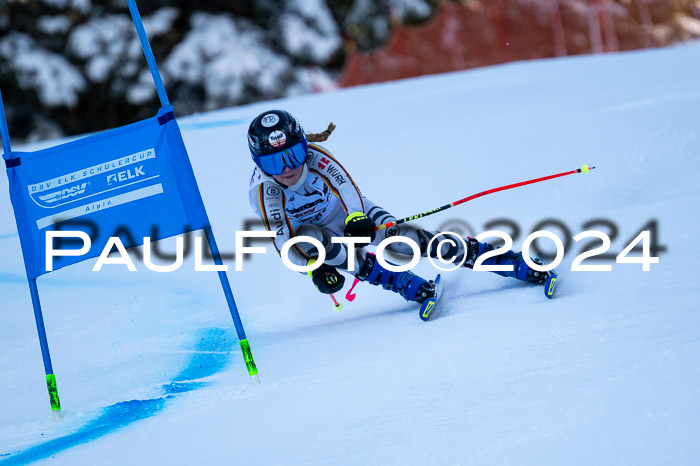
550, 285
427, 308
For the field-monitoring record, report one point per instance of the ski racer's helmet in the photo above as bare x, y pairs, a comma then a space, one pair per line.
277, 140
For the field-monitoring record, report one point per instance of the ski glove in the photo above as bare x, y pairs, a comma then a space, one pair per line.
358, 224
326, 278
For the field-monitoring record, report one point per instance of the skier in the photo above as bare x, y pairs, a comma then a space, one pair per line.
299, 188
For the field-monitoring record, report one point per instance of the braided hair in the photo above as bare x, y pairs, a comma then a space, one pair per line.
322, 136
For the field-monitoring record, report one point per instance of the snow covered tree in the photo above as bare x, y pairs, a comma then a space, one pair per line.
75, 66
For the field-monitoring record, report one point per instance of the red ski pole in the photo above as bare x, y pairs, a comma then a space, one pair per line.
583, 169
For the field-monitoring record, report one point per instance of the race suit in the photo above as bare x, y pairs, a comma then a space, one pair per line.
317, 206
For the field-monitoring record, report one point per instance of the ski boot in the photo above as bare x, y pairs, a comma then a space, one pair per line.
521, 270
407, 284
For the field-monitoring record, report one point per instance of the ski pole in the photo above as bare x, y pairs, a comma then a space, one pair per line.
584, 169
336, 305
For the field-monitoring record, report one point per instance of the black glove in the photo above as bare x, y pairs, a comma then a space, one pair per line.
326, 278
358, 224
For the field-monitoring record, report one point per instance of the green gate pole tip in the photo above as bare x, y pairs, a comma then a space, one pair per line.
249, 362
53, 397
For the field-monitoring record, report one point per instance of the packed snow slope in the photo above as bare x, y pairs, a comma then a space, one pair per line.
149, 370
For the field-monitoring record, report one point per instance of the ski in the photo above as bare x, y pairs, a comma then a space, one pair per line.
428, 308
550, 285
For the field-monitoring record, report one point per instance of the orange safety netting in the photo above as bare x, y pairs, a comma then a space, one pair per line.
474, 33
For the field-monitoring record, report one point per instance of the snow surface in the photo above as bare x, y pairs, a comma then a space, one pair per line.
148, 366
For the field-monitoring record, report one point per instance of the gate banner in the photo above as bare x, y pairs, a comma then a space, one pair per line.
136, 179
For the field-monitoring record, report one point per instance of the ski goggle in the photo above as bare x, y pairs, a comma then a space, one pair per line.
292, 157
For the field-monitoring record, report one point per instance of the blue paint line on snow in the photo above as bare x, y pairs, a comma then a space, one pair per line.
113, 418
213, 124
211, 356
